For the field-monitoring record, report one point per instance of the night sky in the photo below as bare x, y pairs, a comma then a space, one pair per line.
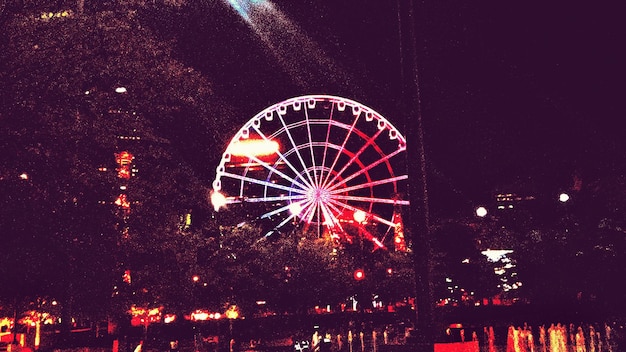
515, 96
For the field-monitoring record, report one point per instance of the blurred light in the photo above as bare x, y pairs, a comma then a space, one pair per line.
121, 90
169, 318
563, 197
244, 7
253, 147
195, 278
481, 212
232, 312
199, 315
24, 176
218, 200
377, 242
359, 216
495, 255
359, 274
295, 208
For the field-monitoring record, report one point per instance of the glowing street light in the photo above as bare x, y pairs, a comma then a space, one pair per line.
218, 200
481, 212
563, 197
232, 312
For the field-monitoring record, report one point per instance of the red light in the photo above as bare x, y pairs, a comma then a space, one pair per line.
124, 158
122, 201
126, 277
359, 274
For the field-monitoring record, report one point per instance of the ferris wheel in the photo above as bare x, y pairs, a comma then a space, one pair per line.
324, 163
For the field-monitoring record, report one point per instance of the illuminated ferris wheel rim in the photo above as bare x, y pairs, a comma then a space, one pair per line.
314, 188
297, 103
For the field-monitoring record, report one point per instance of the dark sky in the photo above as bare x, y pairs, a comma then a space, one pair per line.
515, 96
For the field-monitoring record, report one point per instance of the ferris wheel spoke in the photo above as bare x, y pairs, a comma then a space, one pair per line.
364, 170
282, 158
285, 221
309, 213
276, 171
370, 215
308, 127
275, 199
369, 184
295, 149
327, 210
264, 183
353, 158
283, 208
327, 141
372, 200
343, 146
305, 207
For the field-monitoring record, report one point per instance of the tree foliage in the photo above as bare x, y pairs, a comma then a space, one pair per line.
60, 126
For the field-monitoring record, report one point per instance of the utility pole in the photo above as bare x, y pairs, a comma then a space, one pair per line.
411, 45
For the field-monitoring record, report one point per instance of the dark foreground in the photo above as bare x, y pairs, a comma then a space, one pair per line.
354, 332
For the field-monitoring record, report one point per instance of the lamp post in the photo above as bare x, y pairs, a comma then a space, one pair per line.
231, 313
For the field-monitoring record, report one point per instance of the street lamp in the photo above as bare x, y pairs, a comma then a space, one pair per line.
481, 212
359, 274
563, 197
231, 313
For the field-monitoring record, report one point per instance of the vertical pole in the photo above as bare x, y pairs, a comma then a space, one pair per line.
410, 44
14, 322
37, 333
